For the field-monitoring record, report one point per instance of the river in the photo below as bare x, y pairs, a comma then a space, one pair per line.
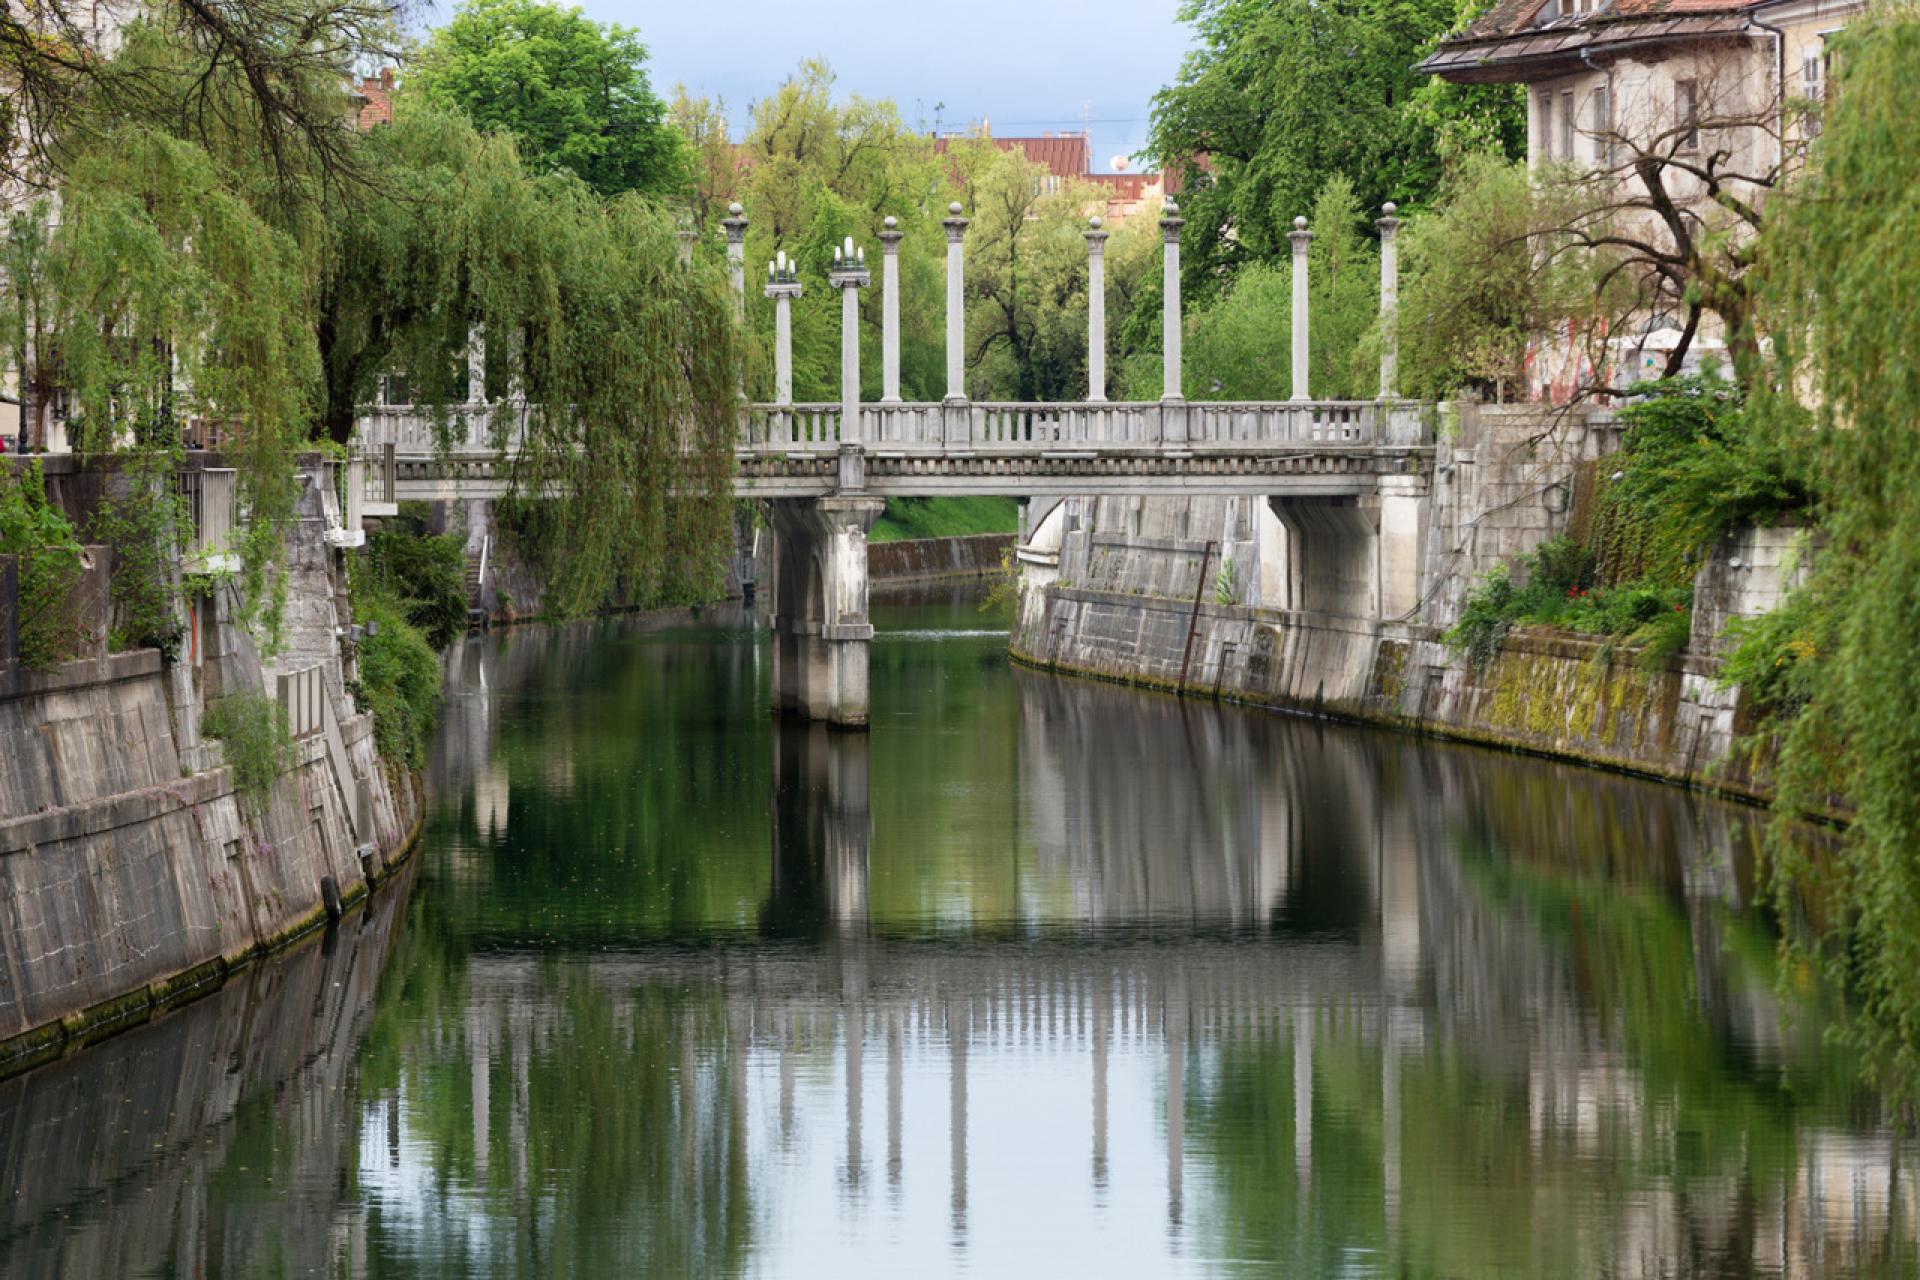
1039, 977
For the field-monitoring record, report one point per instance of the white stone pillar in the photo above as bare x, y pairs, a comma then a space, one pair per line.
849, 276
1096, 310
890, 311
783, 286
1301, 238
476, 365
1170, 224
1389, 300
956, 305
735, 224
686, 237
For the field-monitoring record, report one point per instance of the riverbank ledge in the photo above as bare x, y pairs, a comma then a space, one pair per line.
135, 871
1204, 596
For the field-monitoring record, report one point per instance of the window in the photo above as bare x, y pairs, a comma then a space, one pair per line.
1546, 126
1813, 87
1686, 112
1603, 127
1566, 125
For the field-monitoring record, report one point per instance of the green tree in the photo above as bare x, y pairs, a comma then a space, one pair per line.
1278, 97
574, 93
1843, 265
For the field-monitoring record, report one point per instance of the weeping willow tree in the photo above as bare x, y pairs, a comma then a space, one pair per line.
619, 364
1840, 665
146, 287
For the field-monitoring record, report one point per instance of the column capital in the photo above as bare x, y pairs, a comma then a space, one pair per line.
784, 289
1300, 236
859, 278
1170, 223
890, 235
735, 224
1387, 222
955, 224
1096, 236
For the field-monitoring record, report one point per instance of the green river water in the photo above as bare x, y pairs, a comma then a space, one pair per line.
1039, 977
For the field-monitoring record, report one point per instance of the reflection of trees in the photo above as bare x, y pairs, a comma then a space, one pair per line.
552, 1123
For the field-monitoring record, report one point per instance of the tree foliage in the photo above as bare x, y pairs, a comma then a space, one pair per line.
1843, 266
1279, 97
573, 93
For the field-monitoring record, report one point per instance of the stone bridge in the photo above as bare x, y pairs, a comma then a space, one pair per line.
1349, 478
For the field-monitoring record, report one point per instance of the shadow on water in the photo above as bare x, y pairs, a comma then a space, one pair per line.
1040, 975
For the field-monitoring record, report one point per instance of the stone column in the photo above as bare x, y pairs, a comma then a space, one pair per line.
849, 276
1170, 224
686, 237
1389, 300
1301, 238
1096, 310
820, 626
476, 365
783, 286
956, 305
1403, 525
890, 311
736, 227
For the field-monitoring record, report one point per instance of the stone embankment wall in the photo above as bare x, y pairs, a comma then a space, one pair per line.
132, 870
932, 559
1115, 588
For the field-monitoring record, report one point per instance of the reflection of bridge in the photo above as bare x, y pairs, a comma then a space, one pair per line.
1353, 476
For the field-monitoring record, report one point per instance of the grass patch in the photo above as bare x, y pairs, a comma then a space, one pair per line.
909, 518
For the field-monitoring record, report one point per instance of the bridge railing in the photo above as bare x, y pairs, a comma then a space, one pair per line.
469, 428
801, 428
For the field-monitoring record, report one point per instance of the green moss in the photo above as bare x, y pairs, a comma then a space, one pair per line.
910, 518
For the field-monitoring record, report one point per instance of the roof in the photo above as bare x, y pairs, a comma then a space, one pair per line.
374, 96
1064, 155
1519, 40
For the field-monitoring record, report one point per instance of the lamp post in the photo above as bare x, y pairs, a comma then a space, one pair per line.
849, 275
783, 286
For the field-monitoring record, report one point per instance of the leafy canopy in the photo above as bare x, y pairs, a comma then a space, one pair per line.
574, 93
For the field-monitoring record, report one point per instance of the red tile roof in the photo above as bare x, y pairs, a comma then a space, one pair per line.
1064, 155
1516, 41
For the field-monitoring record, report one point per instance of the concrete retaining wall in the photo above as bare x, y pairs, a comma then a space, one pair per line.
1114, 588
931, 559
129, 864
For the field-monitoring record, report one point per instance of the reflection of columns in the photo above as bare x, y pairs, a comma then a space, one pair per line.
956, 304
1102, 1032
893, 1100
1389, 300
822, 832
1301, 238
735, 224
1303, 1101
957, 1114
1390, 1126
890, 311
820, 625
1173, 1012
1170, 362
787, 1072
855, 1031
1096, 310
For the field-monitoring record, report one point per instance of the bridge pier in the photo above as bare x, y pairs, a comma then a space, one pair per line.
1356, 557
820, 625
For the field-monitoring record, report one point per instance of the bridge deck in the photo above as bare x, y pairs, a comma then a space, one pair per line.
913, 450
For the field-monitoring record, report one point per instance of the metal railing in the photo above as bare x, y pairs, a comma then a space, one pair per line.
213, 495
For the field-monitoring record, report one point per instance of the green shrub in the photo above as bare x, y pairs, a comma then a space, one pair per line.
1559, 592
49, 556
144, 520
427, 576
399, 679
253, 728
1485, 617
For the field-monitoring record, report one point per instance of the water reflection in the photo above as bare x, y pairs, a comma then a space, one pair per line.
1039, 976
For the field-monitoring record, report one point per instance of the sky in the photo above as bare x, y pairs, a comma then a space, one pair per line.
1030, 67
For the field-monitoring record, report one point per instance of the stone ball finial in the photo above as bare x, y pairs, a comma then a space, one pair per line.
1300, 224
889, 222
1389, 208
1172, 207
735, 209
954, 208
1095, 222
